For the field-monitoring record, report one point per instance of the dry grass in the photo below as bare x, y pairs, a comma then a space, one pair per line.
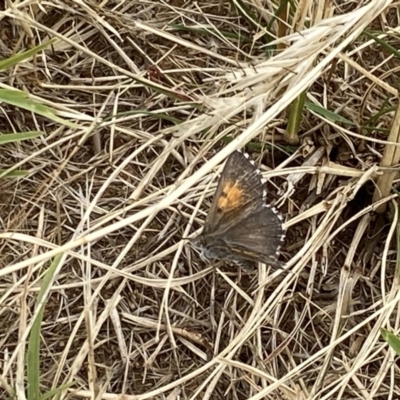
161, 95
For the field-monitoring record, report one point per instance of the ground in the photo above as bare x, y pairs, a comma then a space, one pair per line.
154, 96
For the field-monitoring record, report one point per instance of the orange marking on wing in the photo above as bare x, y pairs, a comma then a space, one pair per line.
231, 197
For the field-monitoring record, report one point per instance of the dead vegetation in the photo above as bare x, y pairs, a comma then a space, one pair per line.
160, 94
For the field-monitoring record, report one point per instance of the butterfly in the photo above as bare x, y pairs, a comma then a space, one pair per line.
240, 226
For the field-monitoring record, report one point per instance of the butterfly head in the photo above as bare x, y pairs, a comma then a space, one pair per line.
206, 246
200, 244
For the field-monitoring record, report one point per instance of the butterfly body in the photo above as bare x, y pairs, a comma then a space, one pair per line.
240, 226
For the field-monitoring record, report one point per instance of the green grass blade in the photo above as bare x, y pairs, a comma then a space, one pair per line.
52, 394
384, 44
21, 99
14, 174
328, 114
392, 339
33, 351
338, 118
296, 111
19, 137
18, 58
385, 108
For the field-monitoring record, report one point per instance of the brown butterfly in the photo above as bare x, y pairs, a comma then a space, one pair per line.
240, 226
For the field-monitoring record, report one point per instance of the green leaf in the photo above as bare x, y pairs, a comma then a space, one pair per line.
17, 58
19, 137
33, 351
393, 340
21, 99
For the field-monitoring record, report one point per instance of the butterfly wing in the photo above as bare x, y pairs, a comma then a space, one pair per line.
240, 191
257, 237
